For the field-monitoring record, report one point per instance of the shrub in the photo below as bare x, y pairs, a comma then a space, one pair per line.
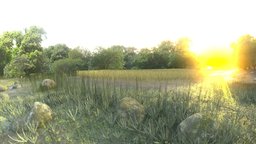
18, 67
65, 66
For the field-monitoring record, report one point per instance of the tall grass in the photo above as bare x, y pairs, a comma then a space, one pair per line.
85, 110
157, 74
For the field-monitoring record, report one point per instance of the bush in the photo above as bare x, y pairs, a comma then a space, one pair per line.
18, 67
65, 66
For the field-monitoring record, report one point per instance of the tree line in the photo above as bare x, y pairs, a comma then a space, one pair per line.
22, 54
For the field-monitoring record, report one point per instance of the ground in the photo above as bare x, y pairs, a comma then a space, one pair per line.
84, 107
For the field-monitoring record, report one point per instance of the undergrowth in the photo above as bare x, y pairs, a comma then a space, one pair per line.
85, 111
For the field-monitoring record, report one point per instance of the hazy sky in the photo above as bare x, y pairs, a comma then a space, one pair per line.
138, 23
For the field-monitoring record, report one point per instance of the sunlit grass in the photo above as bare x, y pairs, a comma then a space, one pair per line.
157, 74
85, 108
226, 74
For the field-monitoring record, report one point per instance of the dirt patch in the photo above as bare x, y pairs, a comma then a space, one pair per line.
24, 89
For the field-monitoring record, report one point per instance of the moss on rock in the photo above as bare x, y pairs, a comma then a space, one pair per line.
130, 108
41, 114
48, 84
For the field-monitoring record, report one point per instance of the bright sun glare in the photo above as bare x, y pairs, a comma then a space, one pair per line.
139, 24
215, 55
214, 51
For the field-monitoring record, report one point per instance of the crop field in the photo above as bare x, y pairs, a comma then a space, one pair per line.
176, 106
157, 75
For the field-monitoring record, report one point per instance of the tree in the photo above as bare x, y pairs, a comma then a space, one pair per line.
245, 50
142, 59
167, 46
40, 62
167, 55
31, 40
110, 58
57, 52
65, 66
19, 66
83, 55
6, 42
17, 40
129, 57
25, 47
164, 56
161, 57
31, 47
183, 58
157, 58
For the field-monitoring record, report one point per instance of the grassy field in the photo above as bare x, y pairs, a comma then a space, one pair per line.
157, 74
85, 108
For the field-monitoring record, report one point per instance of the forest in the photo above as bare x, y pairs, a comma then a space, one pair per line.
22, 54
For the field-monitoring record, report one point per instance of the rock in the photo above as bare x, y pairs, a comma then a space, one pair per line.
197, 127
130, 108
40, 114
15, 85
191, 124
48, 84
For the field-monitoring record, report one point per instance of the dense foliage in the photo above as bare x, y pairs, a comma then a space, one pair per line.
21, 54
65, 66
245, 49
111, 58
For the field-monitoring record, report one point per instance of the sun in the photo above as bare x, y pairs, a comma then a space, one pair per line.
213, 52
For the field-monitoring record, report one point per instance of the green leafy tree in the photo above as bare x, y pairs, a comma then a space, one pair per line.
6, 43
40, 62
142, 59
56, 52
17, 39
83, 55
9, 43
167, 55
110, 58
24, 46
31, 47
161, 56
129, 57
19, 66
66, 66
157, 58
76, 54
31, 40
177, 60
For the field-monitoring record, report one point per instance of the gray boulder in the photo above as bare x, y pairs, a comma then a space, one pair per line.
130, 108
197, 128
15, 85
48, 84
191, 124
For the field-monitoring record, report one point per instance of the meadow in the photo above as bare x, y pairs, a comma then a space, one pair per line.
85, 108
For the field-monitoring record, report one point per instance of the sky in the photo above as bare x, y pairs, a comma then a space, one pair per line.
136, 23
